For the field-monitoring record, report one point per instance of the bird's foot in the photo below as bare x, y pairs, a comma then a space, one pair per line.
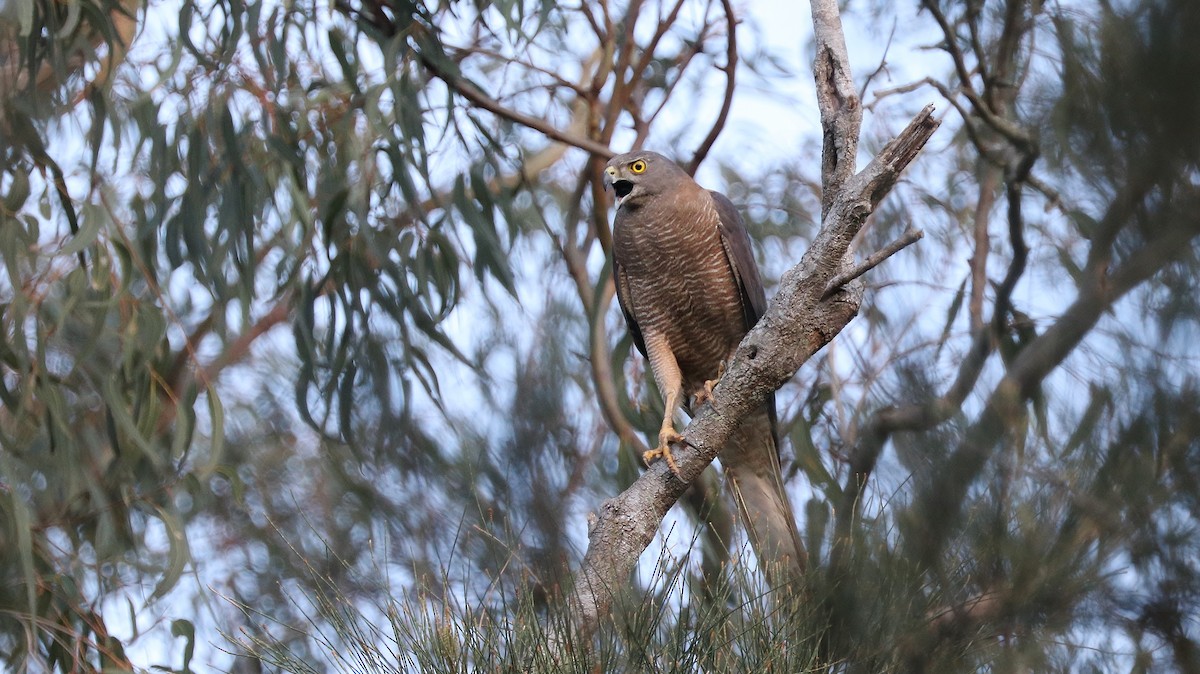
665, 437
705, 395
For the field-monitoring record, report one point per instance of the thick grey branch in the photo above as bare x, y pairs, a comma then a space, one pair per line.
841, 111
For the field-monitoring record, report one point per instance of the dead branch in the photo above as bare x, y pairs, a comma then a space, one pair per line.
909, 237
841, 113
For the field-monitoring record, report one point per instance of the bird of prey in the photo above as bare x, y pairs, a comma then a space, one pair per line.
690, 290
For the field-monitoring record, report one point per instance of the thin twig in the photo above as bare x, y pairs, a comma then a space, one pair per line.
901, 89
651, 47
682, 61
988, 184
882, 63
461, 53
473, 94
950, 44
908, 238
731, 59
1053, 197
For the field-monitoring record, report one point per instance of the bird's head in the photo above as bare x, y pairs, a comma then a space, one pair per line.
633, 176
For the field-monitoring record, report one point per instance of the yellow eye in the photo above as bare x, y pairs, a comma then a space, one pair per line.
638, 166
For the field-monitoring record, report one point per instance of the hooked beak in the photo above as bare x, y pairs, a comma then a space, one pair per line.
621, 188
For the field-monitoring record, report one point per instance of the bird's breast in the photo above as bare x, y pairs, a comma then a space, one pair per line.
682, 286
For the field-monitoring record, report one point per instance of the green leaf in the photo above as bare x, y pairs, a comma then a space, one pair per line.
490, 255
952, 313
236, 484
92, 217
123, 420
338, 44
178, 553
23, 526
1101, 400
25, 16
1068, 264
185, 422
71, 21
816, 519
808, 458
18, 192
185, 628
334, 206
216, 414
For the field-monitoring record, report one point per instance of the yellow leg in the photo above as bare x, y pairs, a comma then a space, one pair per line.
666, 435
670, 382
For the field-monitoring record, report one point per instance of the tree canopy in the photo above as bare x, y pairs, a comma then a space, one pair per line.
309, 359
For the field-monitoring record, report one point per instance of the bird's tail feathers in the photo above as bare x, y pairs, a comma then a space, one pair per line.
751, 462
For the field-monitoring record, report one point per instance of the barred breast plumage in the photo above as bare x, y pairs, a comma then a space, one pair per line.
681, 284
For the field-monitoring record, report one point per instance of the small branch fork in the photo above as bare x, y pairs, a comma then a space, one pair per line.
908, 238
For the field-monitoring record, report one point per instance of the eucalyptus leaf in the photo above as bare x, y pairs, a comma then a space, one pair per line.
93, 218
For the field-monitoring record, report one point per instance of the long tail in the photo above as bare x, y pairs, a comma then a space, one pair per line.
751, 461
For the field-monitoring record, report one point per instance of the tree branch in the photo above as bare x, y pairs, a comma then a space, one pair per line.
1039, 358
988, 184
837, 99
731, 59
909, 237
474, 95
602, 373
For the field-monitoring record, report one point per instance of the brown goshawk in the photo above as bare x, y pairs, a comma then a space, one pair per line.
690, 290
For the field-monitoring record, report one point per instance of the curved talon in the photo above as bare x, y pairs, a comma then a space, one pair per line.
665, 437
705, 394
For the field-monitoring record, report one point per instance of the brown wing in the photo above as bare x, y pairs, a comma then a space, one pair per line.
736, 242
626, 302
